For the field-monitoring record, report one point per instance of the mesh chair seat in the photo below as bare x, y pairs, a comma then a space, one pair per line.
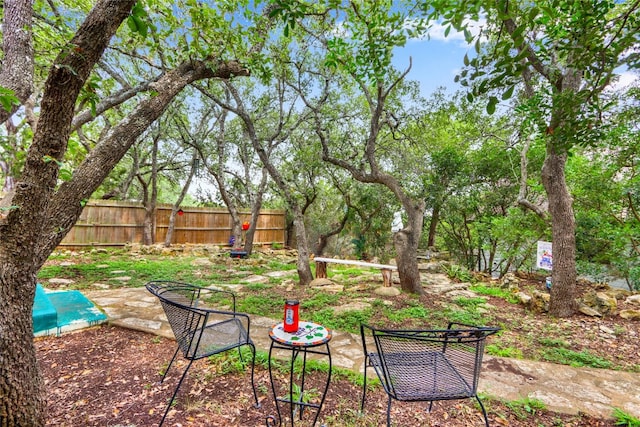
199, 331
423, 376
426, 365
218, 337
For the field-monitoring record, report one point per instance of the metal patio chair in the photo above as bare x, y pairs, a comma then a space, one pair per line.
201, 332
426, 365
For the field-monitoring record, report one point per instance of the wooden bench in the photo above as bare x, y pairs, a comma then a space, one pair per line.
321, 267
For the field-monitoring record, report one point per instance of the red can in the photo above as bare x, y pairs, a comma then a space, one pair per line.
291, 315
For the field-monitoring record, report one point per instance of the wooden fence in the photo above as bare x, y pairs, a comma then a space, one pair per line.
111, 223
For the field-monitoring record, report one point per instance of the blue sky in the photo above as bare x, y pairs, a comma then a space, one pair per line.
434, 63
436, 60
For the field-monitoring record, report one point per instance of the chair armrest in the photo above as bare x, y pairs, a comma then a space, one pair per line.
479, 331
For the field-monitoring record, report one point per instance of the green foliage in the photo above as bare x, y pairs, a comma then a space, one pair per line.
494, 291
138, 20
624, 419
526, 407
8, 99
471, 303
469, 316
230, 362
348, 321
416, 312
575, 358
458, 272
320, 301
499, 351
553, 342
262, 305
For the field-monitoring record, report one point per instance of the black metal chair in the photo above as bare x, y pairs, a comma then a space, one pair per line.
426, 365
201, 332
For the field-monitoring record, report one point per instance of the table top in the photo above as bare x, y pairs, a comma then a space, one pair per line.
309, 334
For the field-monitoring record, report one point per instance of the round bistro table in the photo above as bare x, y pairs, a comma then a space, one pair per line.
309, 338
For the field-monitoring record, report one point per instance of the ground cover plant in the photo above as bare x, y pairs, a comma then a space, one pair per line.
119, 363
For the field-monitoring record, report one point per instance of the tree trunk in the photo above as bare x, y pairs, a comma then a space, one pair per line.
433, 225
563, 291
176, 205
16, 72
256, 205
304, 270
22, 402
406, 242
43, 215
150, 200
24, 231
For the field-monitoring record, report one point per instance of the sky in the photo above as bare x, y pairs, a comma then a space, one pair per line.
436, 61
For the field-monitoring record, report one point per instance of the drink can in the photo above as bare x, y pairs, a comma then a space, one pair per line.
291, 315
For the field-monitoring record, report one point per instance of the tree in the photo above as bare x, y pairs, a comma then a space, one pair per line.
569, 52
276, 134
42, 210
231, 160
361, 56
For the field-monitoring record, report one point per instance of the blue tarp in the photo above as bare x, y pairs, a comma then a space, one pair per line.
55, 312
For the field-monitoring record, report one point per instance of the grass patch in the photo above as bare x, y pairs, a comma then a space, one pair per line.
553, 342
624, 419
319, 301
349, 321
525, 407
262, 305
575, 358
417, 313
141, 271
497, 350
494, 291
472, 303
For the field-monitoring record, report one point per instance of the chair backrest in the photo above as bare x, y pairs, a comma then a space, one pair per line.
408, 353
179, 302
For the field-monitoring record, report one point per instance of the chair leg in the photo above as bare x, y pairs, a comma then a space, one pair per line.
253, 365
175, 392
169, 366
364, 387
484, 412
389, 412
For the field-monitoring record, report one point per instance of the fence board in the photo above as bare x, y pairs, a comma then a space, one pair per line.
113, 223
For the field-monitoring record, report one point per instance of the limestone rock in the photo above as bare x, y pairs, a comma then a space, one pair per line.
588, 311
630, 314
602, 302
318, 283
633, 299
256, 278
524, 298
430, 267
510, 282
333, 288
387, 291
278, 274
201, 262
354, 306
539, 302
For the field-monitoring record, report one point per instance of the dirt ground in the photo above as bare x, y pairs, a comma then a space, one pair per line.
108, 376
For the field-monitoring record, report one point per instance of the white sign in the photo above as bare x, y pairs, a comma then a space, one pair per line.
545, 257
